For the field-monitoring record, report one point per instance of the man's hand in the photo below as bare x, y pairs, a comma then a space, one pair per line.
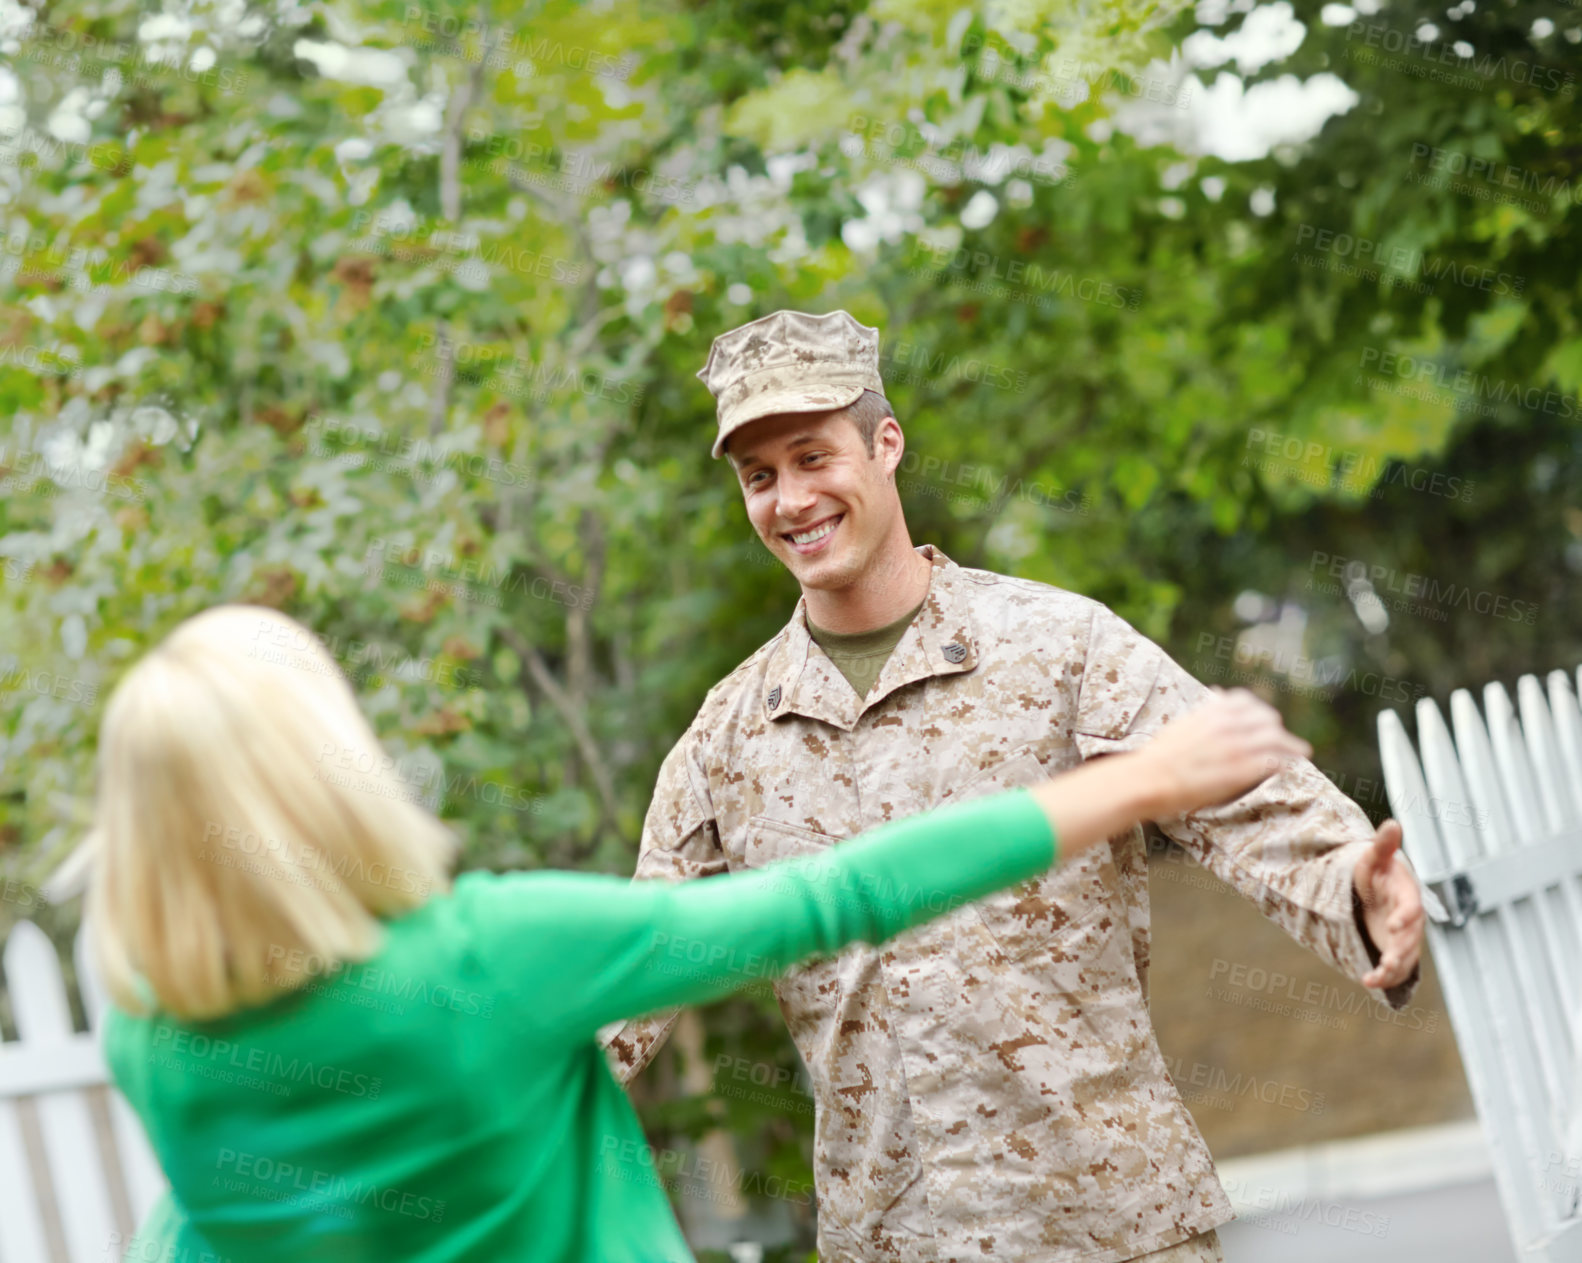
1391, 907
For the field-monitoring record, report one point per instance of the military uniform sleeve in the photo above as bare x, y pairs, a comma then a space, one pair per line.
680, 842
1289, 845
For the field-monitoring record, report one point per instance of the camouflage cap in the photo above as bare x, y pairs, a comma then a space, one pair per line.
790, 362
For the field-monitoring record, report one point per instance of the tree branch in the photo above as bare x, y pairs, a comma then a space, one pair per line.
450, 143
450, 208
579, 632
533, 666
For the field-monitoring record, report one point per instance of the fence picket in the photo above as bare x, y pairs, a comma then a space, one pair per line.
21, 1218
1498, 1035
1568, 735
1539, 938
1495, 827
1566, 708
1560, 725
1505, 823
71, 1149
1543, 749
1556, 910
1511, 764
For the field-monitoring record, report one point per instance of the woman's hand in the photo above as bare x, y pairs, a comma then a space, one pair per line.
1216, 752
1208, 756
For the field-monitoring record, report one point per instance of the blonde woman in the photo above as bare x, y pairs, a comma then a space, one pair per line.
342, 1055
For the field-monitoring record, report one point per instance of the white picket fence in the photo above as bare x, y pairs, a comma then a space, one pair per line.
1493, 824
63, 1180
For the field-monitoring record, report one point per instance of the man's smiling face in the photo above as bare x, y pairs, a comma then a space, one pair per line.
816, 498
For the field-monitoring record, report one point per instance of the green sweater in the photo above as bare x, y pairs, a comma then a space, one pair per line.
447, 1099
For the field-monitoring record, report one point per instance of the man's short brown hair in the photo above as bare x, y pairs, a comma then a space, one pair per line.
868, 410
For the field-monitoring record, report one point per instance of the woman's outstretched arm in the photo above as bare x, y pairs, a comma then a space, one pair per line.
582, 950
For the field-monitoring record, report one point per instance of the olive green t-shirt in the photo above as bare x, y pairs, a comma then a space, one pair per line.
860, 656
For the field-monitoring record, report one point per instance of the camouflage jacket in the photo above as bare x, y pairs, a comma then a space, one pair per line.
988, 1085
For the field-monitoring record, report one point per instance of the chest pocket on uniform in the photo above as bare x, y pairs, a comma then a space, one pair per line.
1054, 905
769, 841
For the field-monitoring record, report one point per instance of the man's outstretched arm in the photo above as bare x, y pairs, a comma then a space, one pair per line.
680, 842
1295, 846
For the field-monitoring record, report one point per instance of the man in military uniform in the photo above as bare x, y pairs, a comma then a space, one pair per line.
987, 1086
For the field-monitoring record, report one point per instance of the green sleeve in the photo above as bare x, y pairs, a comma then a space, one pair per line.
571, 952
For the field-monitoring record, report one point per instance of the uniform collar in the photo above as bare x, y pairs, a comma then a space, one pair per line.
801, 680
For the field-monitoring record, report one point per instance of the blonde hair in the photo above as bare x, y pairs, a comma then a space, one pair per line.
249, 830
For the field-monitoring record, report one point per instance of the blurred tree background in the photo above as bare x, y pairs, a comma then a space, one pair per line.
387, 315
